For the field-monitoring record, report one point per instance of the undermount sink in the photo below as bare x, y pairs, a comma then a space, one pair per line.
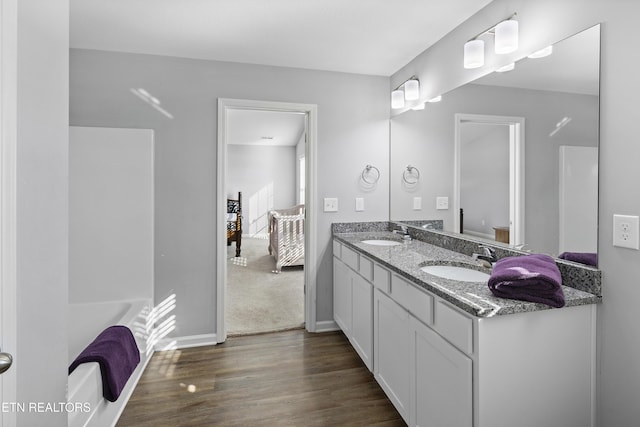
453, 272
381, 242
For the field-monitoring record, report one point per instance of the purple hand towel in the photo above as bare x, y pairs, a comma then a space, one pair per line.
116, 351
587, 258
534, 278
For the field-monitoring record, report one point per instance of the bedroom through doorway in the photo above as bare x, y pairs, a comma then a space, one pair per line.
266, 177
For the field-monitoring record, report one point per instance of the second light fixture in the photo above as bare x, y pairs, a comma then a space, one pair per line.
506, 41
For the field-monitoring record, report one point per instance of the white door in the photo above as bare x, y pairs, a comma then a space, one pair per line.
578, 199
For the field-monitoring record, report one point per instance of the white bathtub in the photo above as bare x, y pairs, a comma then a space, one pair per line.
86, 321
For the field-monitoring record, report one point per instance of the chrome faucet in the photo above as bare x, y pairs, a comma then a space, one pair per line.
403, 230
488, 254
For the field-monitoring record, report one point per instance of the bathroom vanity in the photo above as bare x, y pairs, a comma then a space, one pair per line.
447, 352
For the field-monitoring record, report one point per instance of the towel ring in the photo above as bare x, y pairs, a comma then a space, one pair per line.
411, 175
370, 177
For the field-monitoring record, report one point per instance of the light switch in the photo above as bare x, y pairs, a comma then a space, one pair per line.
442, 203
417, 203
330, 204
359, 204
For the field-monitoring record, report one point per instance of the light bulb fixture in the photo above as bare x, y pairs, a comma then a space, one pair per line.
505, 68
412, 90
397, 99
474, 54
506, 41
506, 34
542, 53
409, 90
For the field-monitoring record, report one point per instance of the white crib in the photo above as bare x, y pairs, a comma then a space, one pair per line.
286, 236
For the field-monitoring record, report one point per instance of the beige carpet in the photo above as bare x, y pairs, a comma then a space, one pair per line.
258, 300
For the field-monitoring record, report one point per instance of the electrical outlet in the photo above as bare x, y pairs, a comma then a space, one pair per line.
442, 203
359, 204
417, 203
330, 204
625, 231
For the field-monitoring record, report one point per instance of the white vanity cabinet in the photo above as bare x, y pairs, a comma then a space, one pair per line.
442, 366
391, 351
353, 300
441, 380
427, 378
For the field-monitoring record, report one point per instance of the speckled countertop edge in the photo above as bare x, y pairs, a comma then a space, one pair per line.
472, 297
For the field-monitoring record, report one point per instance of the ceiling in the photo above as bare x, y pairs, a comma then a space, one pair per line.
374, 37
258, 127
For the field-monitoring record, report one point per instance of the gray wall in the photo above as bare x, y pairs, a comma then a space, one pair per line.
425, 139
254, 170
42, 207
543, 22
353, 127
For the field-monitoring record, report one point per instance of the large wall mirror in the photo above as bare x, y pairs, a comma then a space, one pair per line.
510, 158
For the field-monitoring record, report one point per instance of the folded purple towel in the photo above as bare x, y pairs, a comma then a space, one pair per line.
534, 278
116, 351
587, 258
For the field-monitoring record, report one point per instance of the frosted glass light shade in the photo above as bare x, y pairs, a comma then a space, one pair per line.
474, 54
506, 37
412, 90
542, 52
397, 99
507, 67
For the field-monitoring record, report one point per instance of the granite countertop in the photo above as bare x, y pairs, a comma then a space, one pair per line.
475, 298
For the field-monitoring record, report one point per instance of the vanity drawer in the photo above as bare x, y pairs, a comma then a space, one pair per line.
337, 249
454, 326
417, 302
350, 257
382, 278
365, 268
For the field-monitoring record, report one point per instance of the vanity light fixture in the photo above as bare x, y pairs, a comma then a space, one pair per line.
506, 41
506, 34
409, 90
436, 99
542, 52
420, 106
474, 54
397, 99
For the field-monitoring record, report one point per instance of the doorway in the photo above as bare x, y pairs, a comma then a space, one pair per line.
258, 204
489, 153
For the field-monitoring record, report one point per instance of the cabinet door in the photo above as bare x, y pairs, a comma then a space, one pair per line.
441, 389
391, 351
362, 319
342, 277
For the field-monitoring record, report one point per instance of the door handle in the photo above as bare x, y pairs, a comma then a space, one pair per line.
5, 362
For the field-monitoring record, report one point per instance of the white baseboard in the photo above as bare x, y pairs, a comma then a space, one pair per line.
186, 342
326, 326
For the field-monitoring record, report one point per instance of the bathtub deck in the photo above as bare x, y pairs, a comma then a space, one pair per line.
261, 380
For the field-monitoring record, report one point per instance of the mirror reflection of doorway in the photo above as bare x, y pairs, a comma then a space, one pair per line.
484, 180
489, 177
265, 163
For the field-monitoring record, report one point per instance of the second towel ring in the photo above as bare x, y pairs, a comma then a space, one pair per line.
370, 177
411, 175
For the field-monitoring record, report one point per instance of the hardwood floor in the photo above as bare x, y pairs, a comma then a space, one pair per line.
289, 378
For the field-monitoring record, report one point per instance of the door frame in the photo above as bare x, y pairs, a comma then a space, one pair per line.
310, 229
8, 205
516, 170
